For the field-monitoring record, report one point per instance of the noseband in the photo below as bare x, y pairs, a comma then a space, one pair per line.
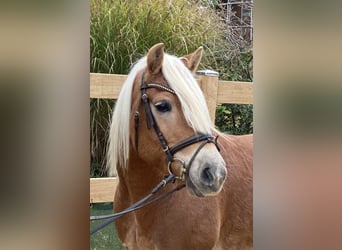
151, 122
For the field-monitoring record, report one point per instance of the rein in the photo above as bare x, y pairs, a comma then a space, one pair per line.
145, 201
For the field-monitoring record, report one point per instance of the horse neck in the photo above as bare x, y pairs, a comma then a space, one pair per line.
141, 177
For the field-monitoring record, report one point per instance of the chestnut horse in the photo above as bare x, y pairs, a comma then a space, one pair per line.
160, 124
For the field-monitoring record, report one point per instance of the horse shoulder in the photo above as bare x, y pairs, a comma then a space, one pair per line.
125, 226
237, 194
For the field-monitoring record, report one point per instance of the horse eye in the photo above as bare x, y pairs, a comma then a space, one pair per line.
163, 106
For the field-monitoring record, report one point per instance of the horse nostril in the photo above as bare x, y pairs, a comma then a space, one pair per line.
207, 176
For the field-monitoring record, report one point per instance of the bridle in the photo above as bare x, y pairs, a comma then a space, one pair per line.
151, 122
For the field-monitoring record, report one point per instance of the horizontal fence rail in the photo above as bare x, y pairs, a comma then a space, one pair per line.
108, 86
102, 189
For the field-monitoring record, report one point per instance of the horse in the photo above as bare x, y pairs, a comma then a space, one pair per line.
161, 125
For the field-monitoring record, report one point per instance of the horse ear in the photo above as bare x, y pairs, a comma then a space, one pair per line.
191, 61
155, 58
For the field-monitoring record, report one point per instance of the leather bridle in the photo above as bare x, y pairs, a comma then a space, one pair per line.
151, 122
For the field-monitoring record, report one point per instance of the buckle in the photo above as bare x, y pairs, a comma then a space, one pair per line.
179, 171
144, 97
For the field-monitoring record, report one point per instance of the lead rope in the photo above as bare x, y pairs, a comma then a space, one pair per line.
139, 204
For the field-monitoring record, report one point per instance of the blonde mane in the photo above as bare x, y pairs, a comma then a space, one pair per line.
181, 80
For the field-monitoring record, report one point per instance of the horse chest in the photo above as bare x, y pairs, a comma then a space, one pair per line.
175, 226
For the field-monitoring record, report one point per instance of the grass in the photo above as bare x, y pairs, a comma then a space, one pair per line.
106, 238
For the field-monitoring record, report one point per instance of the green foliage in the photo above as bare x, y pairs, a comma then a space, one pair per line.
235, 119
238, 68
122, 32
96, 170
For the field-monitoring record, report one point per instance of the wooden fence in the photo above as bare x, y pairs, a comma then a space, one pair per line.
107, 86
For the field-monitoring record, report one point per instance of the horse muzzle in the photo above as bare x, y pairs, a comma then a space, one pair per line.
204, 171
206, 180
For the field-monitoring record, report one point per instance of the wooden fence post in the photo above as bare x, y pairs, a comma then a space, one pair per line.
208, 81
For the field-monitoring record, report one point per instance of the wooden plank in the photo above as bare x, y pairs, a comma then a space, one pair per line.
103, 189
235, 92
109, 86
106, 86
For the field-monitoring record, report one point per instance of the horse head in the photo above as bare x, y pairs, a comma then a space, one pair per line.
168, 124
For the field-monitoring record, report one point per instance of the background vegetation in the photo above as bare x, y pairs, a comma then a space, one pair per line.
122, 31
